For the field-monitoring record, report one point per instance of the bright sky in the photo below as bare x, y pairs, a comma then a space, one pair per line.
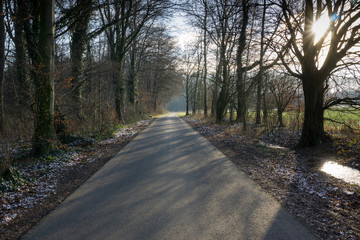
320, 26
182, 31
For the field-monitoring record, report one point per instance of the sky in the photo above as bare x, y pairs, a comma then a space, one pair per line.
181, 30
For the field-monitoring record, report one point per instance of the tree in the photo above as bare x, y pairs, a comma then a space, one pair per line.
318, 55
283, 89
247, 45
199, 12
224, 18
133, 80
44, 134
20, 9
79, 38
261, 67
241, 69
205, 50
2, 66
121, 35
159, 77
197, 76
188, 68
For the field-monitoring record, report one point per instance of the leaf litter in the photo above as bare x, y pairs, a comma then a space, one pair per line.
327, 205
43, 175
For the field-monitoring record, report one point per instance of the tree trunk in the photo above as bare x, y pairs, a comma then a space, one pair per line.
187, 93
221, 105
215, 92
223, 98
44, 135
2, 66
205, 59
280, 117
260, 79
265, 108
77, 49
240, 79
32, 35
195, 91
20, 55
133, 76
258, 97
313, 127
118, 79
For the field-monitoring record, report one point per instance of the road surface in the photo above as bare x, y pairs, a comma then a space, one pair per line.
169, 183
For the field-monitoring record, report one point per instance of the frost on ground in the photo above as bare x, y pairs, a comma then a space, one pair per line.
327, 205
43, 175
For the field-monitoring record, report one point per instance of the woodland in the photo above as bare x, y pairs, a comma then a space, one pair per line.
78, 72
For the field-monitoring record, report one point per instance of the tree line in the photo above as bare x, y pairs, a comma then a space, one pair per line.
81, 66
249, 53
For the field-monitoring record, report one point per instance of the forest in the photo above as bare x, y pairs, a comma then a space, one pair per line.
81, 69
75, 68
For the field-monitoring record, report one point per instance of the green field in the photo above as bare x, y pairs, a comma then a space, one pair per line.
337, 120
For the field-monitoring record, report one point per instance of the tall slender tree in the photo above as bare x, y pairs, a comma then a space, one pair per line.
79, 38
121, 36
44, 134
20, 9
2, 66
205, 50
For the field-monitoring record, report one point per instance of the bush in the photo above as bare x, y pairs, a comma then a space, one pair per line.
11, 180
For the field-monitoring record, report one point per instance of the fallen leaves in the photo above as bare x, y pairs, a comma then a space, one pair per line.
44, 174
329, 206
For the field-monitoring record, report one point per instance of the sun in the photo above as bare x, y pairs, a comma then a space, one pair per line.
320, 27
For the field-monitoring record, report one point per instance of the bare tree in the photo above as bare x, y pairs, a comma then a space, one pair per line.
120, 36
318, 57
224, 16
283, 89
44, 134
2, 66
79, 39
187, 70
20, 9
159, 79
199, 11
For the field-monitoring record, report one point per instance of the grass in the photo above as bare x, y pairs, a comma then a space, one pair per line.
342, 120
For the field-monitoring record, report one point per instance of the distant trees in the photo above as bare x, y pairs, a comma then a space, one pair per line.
188, 67
200, 13
95, 63
159, 63
283, 89
254, 37
129, 18
80, 71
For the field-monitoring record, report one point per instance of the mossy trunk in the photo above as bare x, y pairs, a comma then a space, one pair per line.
133, 76
2, 66
77, 48
44, 134
21, 60
313, 132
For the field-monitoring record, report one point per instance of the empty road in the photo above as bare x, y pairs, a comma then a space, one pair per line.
169, 183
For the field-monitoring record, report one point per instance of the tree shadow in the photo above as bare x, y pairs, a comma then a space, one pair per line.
169, 183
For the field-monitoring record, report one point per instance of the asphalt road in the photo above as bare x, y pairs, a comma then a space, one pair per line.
169, 183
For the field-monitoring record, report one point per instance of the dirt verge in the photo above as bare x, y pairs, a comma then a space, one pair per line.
69, 178
328, 206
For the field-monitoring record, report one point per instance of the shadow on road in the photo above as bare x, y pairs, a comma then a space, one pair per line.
169, 183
